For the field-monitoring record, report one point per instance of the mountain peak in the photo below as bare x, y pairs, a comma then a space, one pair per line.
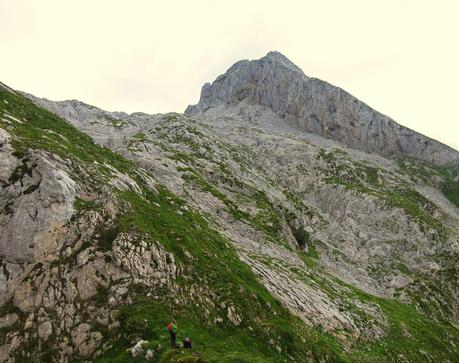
274, 54
278, 57
242, 80
315, 106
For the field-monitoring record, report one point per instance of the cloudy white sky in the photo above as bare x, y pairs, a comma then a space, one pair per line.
400, 57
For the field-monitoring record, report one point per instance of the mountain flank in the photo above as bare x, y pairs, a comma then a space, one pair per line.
278, 220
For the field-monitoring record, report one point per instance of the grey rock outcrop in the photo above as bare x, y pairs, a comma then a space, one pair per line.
315, 106
41, 201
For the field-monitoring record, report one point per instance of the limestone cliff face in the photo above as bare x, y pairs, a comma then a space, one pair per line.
315, 106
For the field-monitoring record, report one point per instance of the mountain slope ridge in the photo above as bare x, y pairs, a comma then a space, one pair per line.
355, 251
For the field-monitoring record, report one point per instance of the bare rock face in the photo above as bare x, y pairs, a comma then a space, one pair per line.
318, 107
8, 162
146, 262
40, 198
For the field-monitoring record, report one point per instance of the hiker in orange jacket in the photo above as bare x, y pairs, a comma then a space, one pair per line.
172, 327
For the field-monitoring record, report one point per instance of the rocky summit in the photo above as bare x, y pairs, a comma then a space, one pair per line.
279, 219
315, 106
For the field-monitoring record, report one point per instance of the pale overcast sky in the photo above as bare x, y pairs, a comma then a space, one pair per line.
400, 57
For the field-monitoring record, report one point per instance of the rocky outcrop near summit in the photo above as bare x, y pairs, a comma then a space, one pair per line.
315, 106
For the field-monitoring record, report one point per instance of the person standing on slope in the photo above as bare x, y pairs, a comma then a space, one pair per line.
172, 327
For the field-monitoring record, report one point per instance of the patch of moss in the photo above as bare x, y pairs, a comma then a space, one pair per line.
22, 170
83, 205
196, 177
450, 187
267, 219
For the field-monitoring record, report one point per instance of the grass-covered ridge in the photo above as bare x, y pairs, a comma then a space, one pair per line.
36, 128
450, 187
